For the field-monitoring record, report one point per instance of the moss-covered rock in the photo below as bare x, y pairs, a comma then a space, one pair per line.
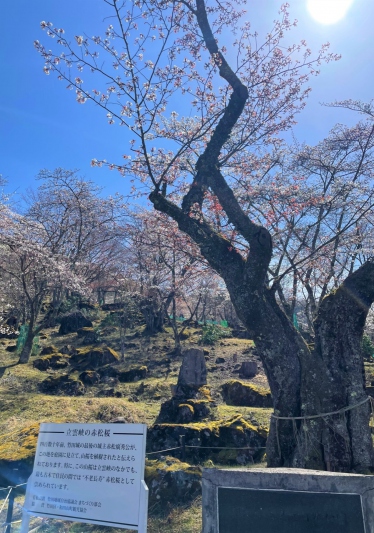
88, 335
172, 482
94, 357
47, 350
72, 322
17, 451
185, 413
208, 439
89, 377
54, 361
246, 394
62, 385
200, 407
134, 374
108, 371
11, 348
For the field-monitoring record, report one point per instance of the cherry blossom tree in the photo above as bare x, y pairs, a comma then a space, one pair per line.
78, 224
237, 98
319, 209
166, 267
32, 270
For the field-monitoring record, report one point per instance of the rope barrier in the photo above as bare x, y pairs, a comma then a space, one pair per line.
209, 448
226, 448
321, 415
13, 486
167, 450
6, 499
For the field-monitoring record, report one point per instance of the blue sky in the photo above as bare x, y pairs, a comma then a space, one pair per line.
42, 126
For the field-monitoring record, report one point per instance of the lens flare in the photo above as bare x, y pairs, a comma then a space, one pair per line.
328, 11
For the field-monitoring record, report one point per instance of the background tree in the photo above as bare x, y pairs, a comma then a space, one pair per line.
319, 209
32, 270
78, 224
167, 49
165, 264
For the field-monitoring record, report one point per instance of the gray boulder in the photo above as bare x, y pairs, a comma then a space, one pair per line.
72, 322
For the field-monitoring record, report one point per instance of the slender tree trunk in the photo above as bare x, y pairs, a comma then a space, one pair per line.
27, 347
174, 327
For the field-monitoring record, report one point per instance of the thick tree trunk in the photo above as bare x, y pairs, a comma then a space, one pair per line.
334, 380
153, 314
313, 384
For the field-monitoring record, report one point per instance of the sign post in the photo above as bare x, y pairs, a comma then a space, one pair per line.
92, 473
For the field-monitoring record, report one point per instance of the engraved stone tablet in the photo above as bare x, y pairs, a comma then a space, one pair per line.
193, 370
267, 511
286, 500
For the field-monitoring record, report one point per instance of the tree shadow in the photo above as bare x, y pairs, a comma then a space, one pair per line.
3, 368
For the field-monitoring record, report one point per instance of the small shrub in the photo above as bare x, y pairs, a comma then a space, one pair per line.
212, 333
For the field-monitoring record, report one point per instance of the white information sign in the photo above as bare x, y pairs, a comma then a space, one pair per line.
90, 473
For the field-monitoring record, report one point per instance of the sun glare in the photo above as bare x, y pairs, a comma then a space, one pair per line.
328, 11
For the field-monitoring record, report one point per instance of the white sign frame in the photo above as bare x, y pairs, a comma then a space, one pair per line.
71, 476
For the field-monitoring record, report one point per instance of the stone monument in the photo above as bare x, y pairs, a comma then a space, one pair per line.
191, 398
192, 374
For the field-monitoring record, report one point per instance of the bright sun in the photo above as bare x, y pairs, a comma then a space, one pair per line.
328, 11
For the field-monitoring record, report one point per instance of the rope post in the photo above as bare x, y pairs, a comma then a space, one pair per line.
10, 512
182, 441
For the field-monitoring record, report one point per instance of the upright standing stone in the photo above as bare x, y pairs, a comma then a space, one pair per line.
193, 370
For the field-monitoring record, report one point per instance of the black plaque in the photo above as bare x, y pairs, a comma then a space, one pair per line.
278, 511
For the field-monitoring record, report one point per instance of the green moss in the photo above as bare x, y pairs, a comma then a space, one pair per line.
54, 360
20, 445
205, 393
260, 416
99, 349
198, 402
189, 407
215, 426
171, 481
238, 393
169, 464
262, 391
94, 356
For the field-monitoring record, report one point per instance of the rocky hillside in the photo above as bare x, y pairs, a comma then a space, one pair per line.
78, 375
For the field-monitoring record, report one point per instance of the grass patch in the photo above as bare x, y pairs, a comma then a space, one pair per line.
257, 415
